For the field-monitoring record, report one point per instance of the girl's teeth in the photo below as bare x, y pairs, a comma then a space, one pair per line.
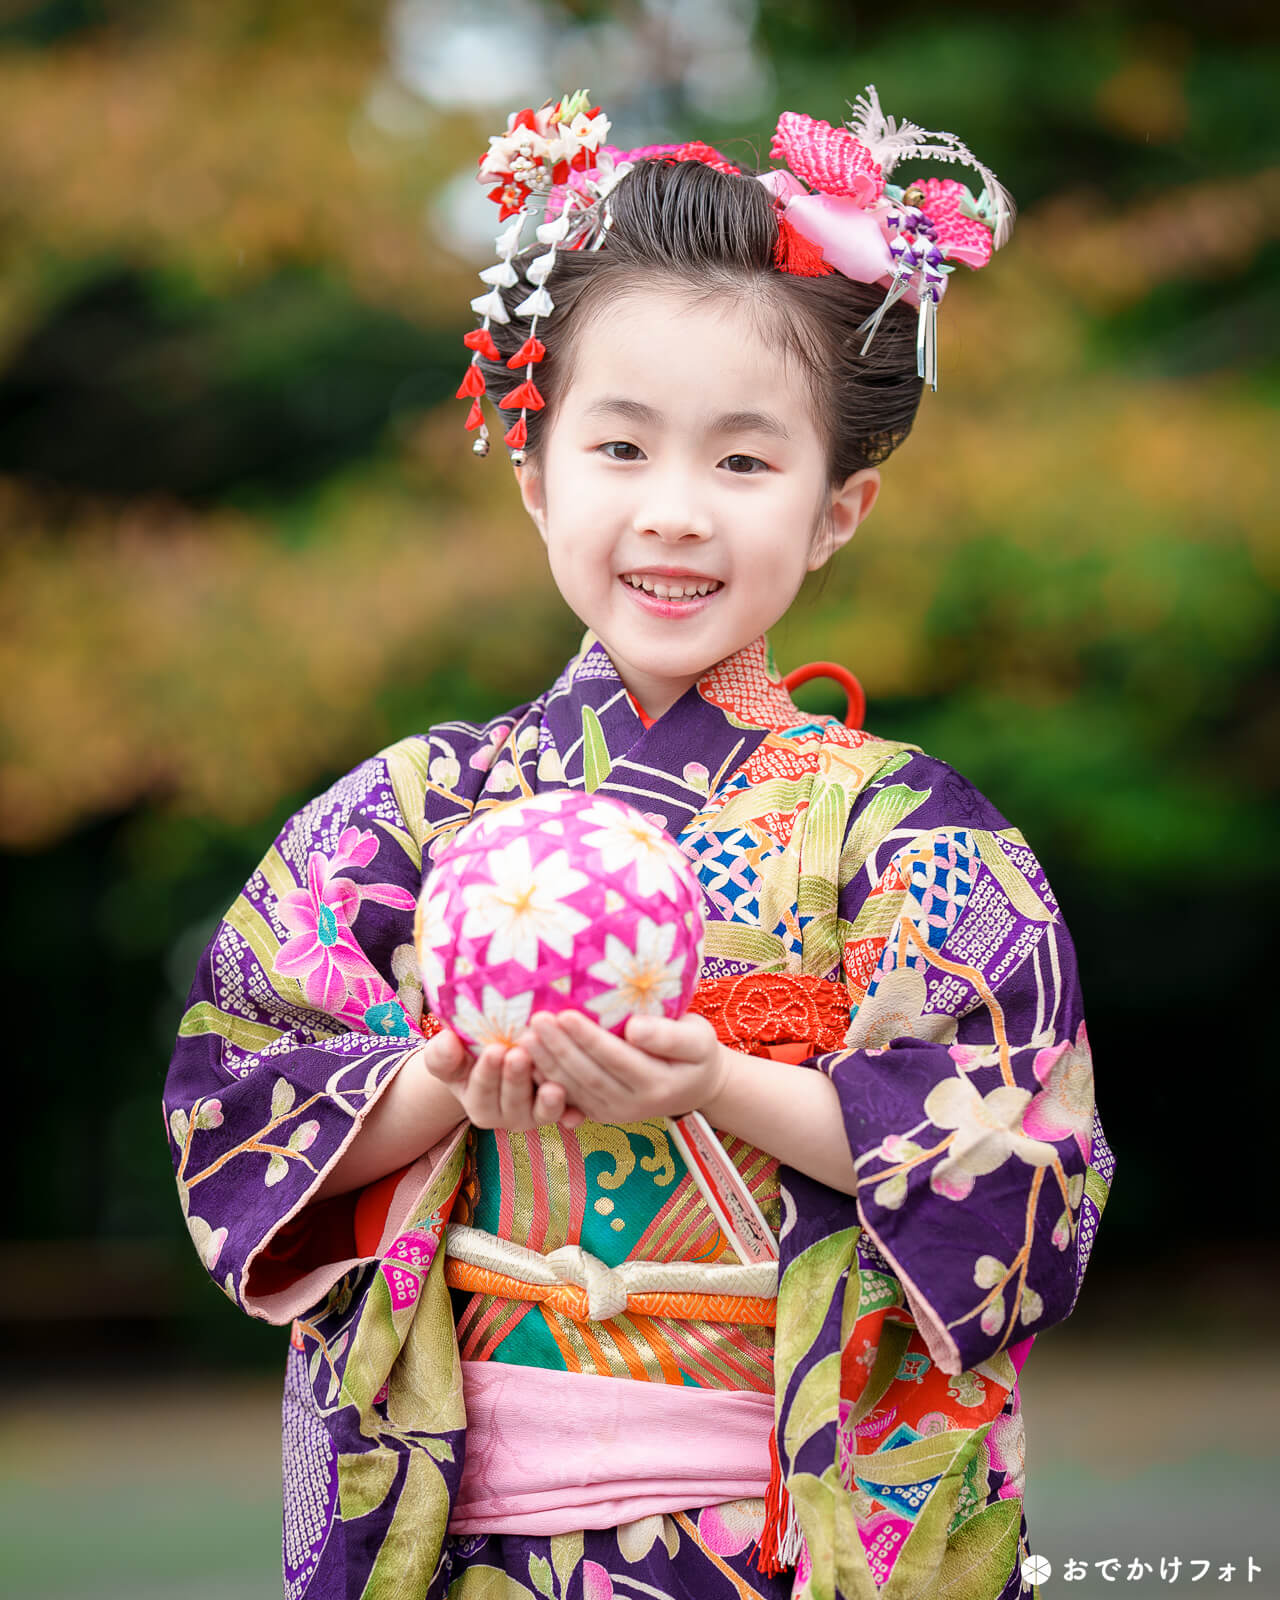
666, 591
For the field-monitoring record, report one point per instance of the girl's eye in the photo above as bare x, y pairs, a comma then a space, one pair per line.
622, 444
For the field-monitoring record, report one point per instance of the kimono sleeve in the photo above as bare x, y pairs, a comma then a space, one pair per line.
304, 1005
966, 1084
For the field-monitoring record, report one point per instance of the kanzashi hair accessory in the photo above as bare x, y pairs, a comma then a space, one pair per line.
539, 151
836, 213
554, 157
834, 193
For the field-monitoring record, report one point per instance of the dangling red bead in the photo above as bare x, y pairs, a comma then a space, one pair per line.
524, 394
476, 415
472, 384
794, 253
482, 340
531, 350
516, 435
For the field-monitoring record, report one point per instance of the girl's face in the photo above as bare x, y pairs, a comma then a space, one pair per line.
683, 456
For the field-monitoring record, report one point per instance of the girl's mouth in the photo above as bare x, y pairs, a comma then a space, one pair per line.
670, 597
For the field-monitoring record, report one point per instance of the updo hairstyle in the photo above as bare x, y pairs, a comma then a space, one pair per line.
710, 234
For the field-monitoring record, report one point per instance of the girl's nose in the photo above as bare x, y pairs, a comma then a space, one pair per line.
673, 515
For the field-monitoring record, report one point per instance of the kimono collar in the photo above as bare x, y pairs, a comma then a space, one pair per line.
667, 770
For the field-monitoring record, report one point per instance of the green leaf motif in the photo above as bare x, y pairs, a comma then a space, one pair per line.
816, 1402
980, 1553
282, 1097
540, 1573
482, 1583
935, 1455
595, 752
364, 1481
804, 1294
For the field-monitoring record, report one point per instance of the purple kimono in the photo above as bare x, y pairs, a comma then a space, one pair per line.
903, 1314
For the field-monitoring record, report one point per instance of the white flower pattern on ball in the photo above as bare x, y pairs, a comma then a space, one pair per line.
631, 842
521, 906
640, 979
499, 1019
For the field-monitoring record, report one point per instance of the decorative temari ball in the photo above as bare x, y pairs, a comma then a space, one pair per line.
560, 901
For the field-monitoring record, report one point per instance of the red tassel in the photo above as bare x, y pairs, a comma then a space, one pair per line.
793, 253
516, 435
524, 394
531, 350
482, 340
472, 384
777, 1512
476, 415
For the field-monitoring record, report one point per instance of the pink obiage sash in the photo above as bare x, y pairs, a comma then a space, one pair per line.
552, 1452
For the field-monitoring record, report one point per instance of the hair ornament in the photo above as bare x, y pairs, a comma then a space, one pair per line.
541, 152
836, 209
834, 191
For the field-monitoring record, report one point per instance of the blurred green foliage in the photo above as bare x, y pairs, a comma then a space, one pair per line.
243, 542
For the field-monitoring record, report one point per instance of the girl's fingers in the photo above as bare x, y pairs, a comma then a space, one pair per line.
549, 1104
678, 1039
577, 1047
516, 1096
618, 1062
445, 1056
483, 1087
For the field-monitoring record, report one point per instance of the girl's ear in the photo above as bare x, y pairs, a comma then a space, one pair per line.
845, 509
531, 492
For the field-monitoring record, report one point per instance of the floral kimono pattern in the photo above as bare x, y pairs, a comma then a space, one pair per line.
903, 1313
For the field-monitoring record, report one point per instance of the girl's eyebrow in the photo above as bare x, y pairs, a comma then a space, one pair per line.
727, 422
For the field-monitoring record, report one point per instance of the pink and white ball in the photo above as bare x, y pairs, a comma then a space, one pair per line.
559, 901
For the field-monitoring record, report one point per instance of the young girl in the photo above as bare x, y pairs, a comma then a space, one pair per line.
525, 1359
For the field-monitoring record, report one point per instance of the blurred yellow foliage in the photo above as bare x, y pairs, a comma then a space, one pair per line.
163, 149
147, 650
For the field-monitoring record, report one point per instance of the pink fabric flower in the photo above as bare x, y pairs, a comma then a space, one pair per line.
596, 1582
322, 951
1065, 1105
728, 1528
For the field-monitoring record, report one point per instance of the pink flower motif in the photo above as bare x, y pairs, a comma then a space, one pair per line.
1064, 1107
356, 848
726, 1529
596, 1582
989, 1129
804, 1567
696, 776
966, 1056
1007, 1446
322, 949
482, 759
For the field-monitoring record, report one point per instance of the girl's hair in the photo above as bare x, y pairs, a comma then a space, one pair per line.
710, 234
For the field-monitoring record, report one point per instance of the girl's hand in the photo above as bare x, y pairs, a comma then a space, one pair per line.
663, 1068
496, 1088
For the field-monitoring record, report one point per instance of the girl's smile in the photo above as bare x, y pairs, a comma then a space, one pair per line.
671, 591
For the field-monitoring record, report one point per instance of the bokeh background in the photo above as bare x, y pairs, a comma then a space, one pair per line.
244, 544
